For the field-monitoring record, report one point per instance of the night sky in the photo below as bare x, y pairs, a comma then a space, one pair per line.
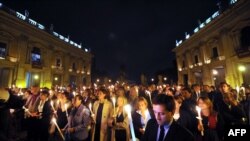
138, 34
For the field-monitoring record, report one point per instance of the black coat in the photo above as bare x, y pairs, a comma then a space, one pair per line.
175, 132
6, 119
186, 120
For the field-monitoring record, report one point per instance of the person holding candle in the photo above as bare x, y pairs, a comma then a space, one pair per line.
102, 111
211, 122
44, 115
78, 121
64, 106
181, 116
141, 117
31, 116
246, 104
119, 122
163, 127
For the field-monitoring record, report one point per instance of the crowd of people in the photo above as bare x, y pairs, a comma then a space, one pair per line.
163, 112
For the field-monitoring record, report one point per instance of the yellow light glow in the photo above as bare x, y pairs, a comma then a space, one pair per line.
36, 77
242, 68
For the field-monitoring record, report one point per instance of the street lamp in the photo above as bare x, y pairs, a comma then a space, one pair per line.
152, 79
165, 78
36, 77
242, 68
215, 72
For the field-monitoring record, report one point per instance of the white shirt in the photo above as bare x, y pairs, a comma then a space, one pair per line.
166, 127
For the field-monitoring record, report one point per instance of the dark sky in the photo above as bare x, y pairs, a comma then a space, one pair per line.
138, 34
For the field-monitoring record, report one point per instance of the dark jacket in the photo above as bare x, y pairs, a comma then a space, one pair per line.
175, 132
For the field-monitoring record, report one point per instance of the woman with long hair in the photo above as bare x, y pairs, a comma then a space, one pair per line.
212, 123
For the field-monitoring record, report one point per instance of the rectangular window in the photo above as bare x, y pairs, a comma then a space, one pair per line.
215, 52
58, 62
183, 64
36, 58
74, 66
3, 47
196, 59
35, 55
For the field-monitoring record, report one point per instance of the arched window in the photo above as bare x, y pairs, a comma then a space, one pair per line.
245, 37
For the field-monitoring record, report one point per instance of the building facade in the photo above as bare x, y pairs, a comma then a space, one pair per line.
219, 49
30, 54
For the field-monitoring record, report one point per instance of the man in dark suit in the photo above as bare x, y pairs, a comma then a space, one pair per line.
163, 127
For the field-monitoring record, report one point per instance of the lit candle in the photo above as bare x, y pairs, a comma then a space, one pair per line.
149, 95
50, 92
113, 100
238, 91
66, 107
54, 121
198, 109
128, 110
243, 91
90, 108
52, 105
26, 110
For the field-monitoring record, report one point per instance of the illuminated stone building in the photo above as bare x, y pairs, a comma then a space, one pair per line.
219, 49
32, 54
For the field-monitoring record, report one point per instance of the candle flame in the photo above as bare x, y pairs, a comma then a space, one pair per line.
127, 108
198, 109
54, 120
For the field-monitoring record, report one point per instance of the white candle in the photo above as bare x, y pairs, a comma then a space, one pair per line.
113, 100
59, 130
52, 105
238, 91
66, 107
50, 92
27, 110
243, 91
90, 108
149, 95
128, 110
198, 109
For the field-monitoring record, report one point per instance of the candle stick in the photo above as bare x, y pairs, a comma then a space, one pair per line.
113, 100
90, 108
238, 91
66, 107
243, 91
26, 110
52, 105
128, 110
54, 121
149, 94
198, 109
